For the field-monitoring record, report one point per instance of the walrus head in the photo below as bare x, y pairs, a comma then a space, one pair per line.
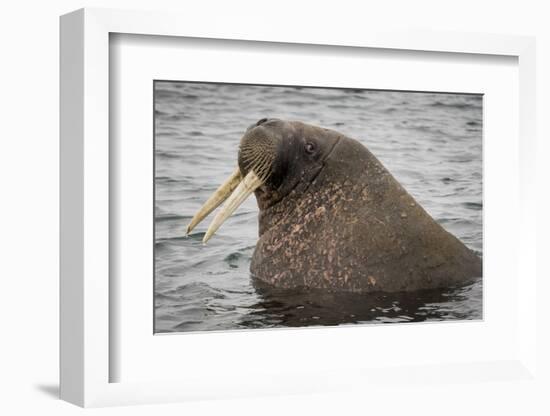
274, 158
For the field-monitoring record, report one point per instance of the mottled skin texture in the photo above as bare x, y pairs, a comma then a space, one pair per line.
339, 220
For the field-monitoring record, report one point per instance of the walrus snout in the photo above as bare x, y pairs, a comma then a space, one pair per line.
257, 153
258, 150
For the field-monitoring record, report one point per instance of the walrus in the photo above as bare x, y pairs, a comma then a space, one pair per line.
332, 217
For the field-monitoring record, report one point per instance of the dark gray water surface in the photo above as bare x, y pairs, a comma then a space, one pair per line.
431, 142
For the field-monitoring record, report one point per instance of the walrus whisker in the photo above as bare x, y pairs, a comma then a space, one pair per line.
258, 155
249, 184
220, 195
263, 166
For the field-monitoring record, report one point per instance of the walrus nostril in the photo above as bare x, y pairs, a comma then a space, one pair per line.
262, 121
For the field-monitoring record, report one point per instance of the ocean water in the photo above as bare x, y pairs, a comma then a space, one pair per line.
431, 143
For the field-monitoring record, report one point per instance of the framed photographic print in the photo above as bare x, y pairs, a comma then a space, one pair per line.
265, 212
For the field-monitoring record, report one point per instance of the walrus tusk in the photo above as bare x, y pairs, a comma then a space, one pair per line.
221, 194
249, 184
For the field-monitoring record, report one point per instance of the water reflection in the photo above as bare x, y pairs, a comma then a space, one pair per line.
295, 308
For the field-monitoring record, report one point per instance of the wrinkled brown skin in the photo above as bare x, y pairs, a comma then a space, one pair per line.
355, 228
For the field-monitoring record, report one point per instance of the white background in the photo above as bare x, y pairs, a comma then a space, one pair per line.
29, 209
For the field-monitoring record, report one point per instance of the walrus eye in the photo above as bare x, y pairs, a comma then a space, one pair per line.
310, 148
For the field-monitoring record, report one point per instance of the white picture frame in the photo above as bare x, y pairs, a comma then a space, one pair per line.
86, 355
